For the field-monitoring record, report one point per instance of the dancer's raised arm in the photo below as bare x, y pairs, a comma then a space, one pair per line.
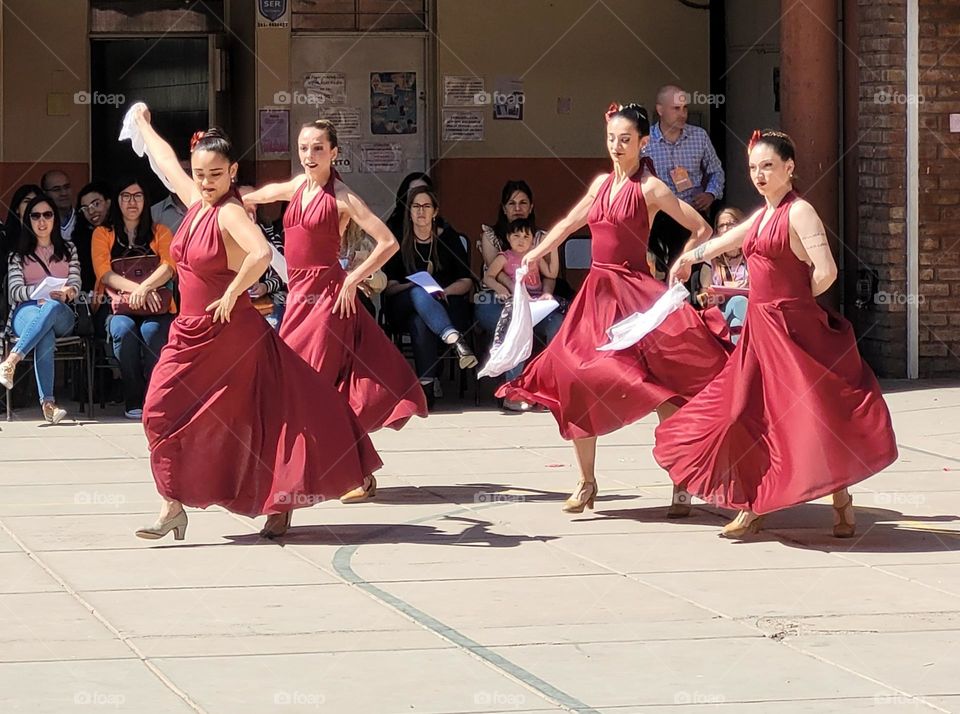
574, 220
274, 192
165, 157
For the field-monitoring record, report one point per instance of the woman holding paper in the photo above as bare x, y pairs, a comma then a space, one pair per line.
428, 284
44, 275
593, 392
796, 414
321, 322
233, 416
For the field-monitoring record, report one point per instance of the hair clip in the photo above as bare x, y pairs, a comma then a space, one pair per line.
754, 139
612, 109
195, 139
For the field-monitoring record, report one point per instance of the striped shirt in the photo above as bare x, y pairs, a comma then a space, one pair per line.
694, 152
276, 288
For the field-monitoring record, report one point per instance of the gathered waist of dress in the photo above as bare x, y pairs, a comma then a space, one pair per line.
625, 266
194, 310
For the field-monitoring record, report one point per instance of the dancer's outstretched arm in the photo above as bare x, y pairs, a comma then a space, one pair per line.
386, 245
808, 239
576, 219
706, 252
165, 157
660, 198
273, 192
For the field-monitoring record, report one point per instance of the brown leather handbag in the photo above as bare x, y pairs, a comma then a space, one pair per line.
137, 265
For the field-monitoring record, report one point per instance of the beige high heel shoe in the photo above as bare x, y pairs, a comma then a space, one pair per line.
363, 492
680, 506
582, 498
177, 524
844, 527
745, 522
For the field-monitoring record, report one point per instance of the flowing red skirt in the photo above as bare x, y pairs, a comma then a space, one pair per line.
795, 415
592, 393
234, 417
354, 353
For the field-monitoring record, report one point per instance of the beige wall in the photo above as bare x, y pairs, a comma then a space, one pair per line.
616, 50
57, 62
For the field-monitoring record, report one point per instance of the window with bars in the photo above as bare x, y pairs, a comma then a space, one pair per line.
360, 15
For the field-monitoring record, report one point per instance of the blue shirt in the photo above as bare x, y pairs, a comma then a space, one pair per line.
694, 152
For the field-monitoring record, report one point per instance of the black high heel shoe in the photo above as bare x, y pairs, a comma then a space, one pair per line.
468, 360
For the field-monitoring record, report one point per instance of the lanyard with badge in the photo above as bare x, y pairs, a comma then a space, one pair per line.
679, 174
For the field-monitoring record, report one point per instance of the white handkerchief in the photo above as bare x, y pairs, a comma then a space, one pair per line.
630, 330
130, 131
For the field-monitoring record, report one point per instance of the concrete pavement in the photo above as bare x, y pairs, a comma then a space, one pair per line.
463, 588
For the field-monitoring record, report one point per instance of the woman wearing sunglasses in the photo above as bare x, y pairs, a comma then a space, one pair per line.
40, 252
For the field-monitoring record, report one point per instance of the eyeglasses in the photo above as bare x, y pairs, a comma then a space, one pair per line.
725, 227
420, 206
131, 197
94, 205
45, 215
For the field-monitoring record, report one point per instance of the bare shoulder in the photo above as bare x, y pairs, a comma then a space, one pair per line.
596, 184
801, 208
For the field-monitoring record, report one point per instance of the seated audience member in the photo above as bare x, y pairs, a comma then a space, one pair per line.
41, 253
139, 333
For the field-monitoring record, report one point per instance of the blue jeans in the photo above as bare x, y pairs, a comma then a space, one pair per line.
275, 318
137, 342
543, 331
735, 312
426, 319
38, 327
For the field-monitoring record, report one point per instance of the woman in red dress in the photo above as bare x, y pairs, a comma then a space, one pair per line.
591, 393
321, 322
796, 414
233, 416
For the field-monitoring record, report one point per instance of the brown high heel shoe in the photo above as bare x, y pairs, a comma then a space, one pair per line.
745, 522
844, 527
363, 492
277, 525
582, 498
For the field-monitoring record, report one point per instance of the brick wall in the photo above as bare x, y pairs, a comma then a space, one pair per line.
939, 188
882, 181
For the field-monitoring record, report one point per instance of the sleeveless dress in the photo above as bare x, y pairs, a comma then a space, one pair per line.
796, 414
353, 354
233, 416
592, 393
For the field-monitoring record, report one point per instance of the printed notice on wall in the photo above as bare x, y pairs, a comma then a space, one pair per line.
274, 131
508, 99
346, 119
462, 126
463, 91
381, 158
393, 102
329, 87
344, 162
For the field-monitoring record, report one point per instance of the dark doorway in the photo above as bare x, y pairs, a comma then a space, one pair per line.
171, 75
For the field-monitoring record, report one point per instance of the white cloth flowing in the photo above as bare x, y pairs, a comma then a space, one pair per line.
630, 330
517, 343
130, 131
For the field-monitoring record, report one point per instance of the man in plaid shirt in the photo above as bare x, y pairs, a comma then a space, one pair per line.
686, 161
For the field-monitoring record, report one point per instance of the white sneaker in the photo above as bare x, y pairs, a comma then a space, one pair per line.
134, 414
6, 374
52, 413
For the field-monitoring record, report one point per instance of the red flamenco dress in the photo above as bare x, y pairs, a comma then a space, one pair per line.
795, 414
592, 393
353, 354
233, 416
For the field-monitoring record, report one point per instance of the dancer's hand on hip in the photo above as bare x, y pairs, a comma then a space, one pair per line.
346, 304
223, 307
